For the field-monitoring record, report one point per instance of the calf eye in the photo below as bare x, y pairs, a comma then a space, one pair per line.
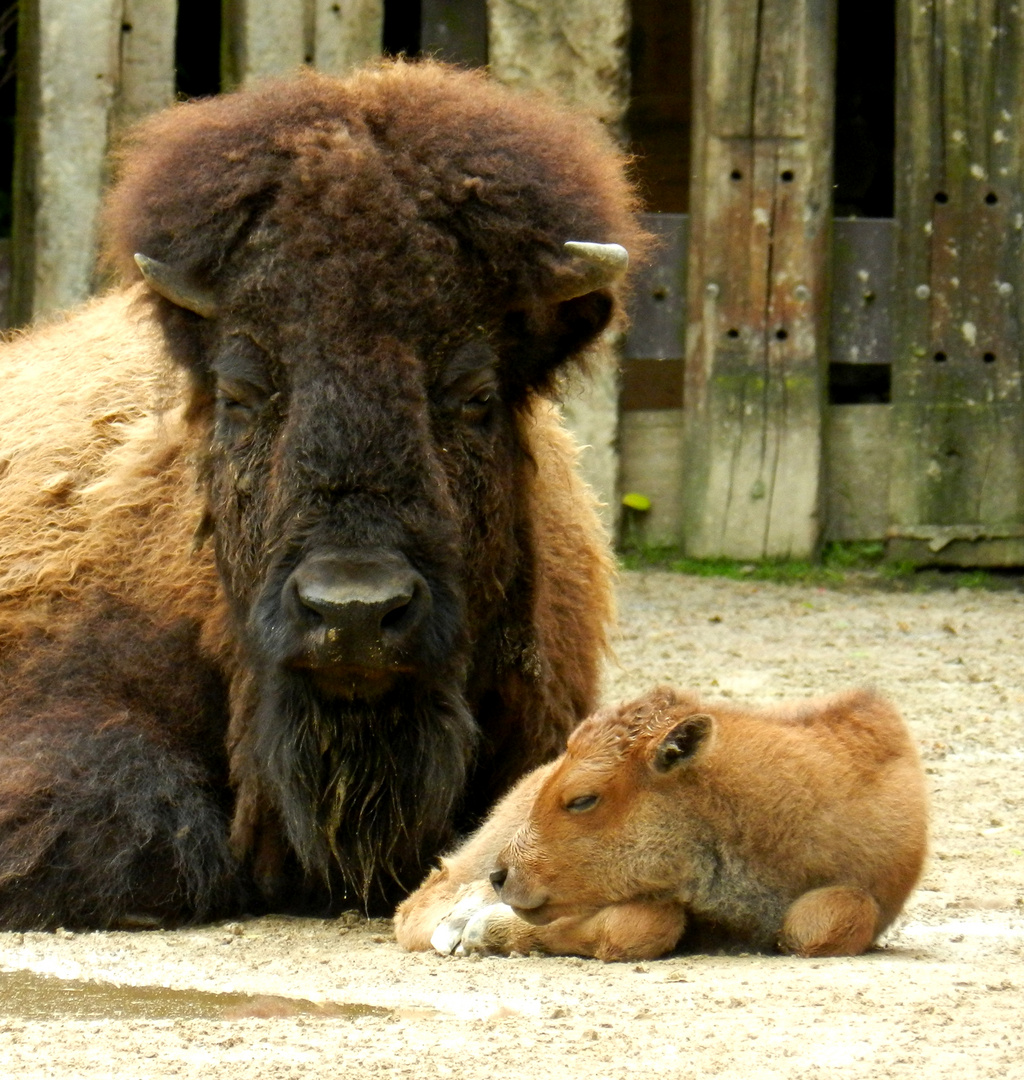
582, 803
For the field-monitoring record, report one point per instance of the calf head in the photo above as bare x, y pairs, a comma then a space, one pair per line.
368, 282
610, 822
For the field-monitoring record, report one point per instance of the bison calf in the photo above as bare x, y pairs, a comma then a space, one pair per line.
801, 827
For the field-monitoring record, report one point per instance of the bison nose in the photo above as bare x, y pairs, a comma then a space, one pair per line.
357, 609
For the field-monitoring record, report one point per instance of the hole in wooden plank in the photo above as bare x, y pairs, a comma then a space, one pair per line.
651, 384
736, 175
941, 197
989, 358
940, 358
782, 333
732, 332
991, 198
868, 296
859, 384
787, 176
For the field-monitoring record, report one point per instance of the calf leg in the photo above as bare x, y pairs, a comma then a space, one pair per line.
840, 920
632, 930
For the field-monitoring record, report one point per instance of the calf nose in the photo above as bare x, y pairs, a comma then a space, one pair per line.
358, 608
515, 888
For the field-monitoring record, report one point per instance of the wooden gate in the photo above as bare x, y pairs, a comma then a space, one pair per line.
783, 303
957, 490
734, 418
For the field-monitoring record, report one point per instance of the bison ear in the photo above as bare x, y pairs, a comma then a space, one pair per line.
682, 742
583, 292
573, 302
591, 267
175, 285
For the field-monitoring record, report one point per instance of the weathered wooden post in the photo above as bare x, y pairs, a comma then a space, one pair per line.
577, 49
146, 77
957, 493
84, 68
262, 37
67, 73
757, 278
275, 37
345, 33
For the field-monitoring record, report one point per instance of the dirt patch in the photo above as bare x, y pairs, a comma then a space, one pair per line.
943, 997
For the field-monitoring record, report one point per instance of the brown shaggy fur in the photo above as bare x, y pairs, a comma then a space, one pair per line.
357, 234
668, 820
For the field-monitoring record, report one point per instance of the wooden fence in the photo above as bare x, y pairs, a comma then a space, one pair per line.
739, 447
733, 419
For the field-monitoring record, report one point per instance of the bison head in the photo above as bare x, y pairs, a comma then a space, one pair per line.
369, 282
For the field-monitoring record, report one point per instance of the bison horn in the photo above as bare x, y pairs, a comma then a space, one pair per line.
595, 266
175, 286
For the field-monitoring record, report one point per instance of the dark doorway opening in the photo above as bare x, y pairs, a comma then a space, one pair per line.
865, 116
197, 49
658, 120
403, 25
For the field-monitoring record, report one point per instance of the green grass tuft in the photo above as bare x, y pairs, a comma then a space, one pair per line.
841, 565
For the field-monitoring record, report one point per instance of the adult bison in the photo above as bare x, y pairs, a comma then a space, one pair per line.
296, 574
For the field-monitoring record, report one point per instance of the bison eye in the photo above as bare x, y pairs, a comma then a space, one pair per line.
477, 409
469, 390
236, 397
582, 803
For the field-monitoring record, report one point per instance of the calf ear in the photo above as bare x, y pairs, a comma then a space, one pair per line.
682, 742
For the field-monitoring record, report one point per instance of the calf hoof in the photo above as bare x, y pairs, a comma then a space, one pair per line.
473, 926
447, 937
836, 921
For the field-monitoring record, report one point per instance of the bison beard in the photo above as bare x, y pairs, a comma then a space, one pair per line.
297, 575
363, 796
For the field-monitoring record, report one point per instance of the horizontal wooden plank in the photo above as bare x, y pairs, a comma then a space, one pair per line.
857, 462
657, 308
983, 553
863, 251
651, 445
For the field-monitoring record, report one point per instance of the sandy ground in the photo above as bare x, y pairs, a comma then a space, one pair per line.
942, 997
